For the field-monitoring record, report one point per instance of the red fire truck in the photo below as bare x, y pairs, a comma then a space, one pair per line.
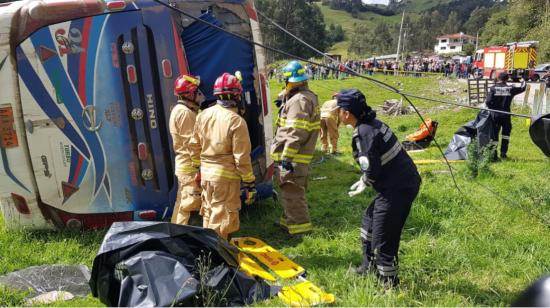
518, 59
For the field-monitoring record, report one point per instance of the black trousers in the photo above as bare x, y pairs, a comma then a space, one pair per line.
502, 124
383, 223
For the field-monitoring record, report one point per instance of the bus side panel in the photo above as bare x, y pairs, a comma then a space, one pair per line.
16, 175
81, 83
264, 89
170, 62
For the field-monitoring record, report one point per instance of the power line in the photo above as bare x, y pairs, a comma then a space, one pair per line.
376, 82
379, 83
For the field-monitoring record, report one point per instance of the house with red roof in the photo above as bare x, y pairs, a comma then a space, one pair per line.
453, 43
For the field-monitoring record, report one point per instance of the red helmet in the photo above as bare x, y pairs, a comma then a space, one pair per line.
186, 85
227, 84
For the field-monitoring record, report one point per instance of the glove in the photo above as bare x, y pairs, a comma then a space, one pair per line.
278, 103
359, 187
198, 179
287, 166
248, 193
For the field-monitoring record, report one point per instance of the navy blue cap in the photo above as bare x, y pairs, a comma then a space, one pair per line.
503, 76
354, 101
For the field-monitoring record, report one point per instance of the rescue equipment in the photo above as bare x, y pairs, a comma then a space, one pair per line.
305, 293
276, 261
423, 137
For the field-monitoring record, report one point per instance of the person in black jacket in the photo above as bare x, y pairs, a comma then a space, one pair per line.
386, 167
500, 98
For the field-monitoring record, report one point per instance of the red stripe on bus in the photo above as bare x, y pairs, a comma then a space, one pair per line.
179, 51
77, 170
83, 56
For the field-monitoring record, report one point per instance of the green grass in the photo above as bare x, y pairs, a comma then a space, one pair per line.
347, 22
421, 5
477, 251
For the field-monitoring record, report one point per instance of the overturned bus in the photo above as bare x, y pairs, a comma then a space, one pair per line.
87, 89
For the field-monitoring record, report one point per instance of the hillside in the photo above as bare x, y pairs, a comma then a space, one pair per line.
419, 6
348, 22
424, 21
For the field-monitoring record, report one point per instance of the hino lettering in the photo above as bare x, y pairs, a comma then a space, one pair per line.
94, 57
151, 110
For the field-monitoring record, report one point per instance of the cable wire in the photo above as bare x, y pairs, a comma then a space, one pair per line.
376, 82
384, 85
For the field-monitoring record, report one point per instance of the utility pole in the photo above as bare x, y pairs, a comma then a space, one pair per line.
477, 40
399, 41
404, 49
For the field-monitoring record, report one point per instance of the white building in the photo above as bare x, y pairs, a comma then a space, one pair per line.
453, 43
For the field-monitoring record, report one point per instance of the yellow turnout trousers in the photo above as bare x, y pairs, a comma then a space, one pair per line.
293, 187
188, 200
221, 202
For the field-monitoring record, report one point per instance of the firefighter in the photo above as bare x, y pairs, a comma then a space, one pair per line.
221, 146
182, 123
386, 167
330, 121
500, 97
293, 147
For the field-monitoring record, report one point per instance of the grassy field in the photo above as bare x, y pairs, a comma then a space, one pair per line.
421, 5
474, 249
348, 22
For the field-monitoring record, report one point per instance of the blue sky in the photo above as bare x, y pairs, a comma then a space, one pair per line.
376, 1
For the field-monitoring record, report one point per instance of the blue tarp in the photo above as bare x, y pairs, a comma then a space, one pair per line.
211, 52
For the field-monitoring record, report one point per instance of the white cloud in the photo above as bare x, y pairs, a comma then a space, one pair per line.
375, 1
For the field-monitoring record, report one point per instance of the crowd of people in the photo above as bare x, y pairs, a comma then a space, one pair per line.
411, 67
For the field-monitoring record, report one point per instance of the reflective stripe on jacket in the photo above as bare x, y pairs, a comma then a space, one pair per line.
182, 123
297, 128
221, 145
381, 157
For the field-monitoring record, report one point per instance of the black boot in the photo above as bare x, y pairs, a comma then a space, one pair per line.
389, 282
367, 266
365, 269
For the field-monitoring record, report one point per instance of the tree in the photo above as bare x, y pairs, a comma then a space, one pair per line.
520, 20
469, 49
335, 33
360, 40
379, 40
452, 24
477, 20
302, 18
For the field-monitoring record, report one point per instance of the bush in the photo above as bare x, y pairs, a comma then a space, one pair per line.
479, 158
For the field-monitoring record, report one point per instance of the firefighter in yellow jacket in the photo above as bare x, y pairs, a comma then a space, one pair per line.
330, 120
182, 124
221, 146
293, 147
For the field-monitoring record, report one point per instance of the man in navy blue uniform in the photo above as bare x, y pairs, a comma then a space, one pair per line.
500, 97
386, 167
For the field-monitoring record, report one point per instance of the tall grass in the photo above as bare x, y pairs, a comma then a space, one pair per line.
476, 249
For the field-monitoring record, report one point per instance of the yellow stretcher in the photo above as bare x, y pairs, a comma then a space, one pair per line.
305, 294
258, 259
276, 261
